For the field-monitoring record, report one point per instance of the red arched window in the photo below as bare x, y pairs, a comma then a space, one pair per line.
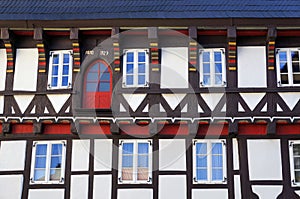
98, 86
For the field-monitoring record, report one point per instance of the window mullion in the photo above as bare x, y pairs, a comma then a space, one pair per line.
48, 160
212, 68
290, 69
135, 68
209, 162
60, 69
135, 161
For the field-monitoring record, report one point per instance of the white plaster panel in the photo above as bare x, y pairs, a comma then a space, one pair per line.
80, 155
1, 104
103, 155
278, 108
240, 108
264, 159
297, 192
79, 187
211, 99
252, 99
134, 100
174, 67
291, 99
237, 187
58, 100
210, 193
135, 193
235, 152
172, 155
12, 155
26, 69
172, 186
173, 99
102, 187
252, 66
11, 186
46, 193
23, 101
3, 64
267, 192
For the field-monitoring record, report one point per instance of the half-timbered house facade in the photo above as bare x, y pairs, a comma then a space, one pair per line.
150, 99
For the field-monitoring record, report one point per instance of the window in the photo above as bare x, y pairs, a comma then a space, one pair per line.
294, 148
48, 162
288, 66
209, 161
212, 67
60, 69
135, 68
135, 161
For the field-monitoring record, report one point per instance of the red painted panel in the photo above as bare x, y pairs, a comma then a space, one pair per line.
288, 129
252, 129
288, 33
173, 129
95, 129
252, 33
57, 129
215, 129
212, 32
21, 128
134, 129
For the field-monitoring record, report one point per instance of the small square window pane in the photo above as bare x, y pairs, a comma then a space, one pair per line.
104, 86
55, 70
295, 55
296, 149
142, 68
55, 59
94, 68
41, 149
143, 161
142, 174
39, 175
55, 162
217, 174
103, 68
127, 148
55, 174
54, 81
201, 148
143, 148
296, 67
66, 58
206, 56
218, 68
129, 69
206, 68
201, 161
141, 80
297, 176
57, 149
206, 80
218, 80
65, 81
142, 57
216, 148
40, 162
129, 80
217, 161
296, 79
283, 56
105, 77
91, 87
127, 161
66, 70
284, 79
283, 67
91, 76
129, 57
127, 174
218, 56
201, 174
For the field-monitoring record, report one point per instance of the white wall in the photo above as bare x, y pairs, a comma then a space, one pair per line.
172, 155
11, 186
237, 187
103, 155
80, 155
252, 71
135, 194
102, 187
264, 159
235, 153
23, 101
174, 67
58, 100
3, 65
46, 194
79, 187
267, 192
12, 155
26, 69
210, 193
1, 104
172, 186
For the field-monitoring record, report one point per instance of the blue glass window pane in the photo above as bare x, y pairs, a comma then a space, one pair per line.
55, 70
295, 56
94, 68
55, 162
141, 57
65, 81
206, 68
92, 76
218, 68
129, 69
201, 148
217, 161
41, 149
143, 148
218, 79
104, 86
201, 161
54, 81
141, 80
56, 149
127, 148
143, 161
55, 174
66, 58
103, 68
217, 148
129, 80
55, 59
39, 175
217, 174
142, 68
91, 87
206, 56
282, 56
206, 80
218, 56
40, 162
127, 161
130, 57
105, 77
201, 174
66, 70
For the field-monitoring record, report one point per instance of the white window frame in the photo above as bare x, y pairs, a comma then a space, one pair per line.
289, 66
48, 162
212, 68
135, 68
60, 53
209, 142
292, 168
135, 152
